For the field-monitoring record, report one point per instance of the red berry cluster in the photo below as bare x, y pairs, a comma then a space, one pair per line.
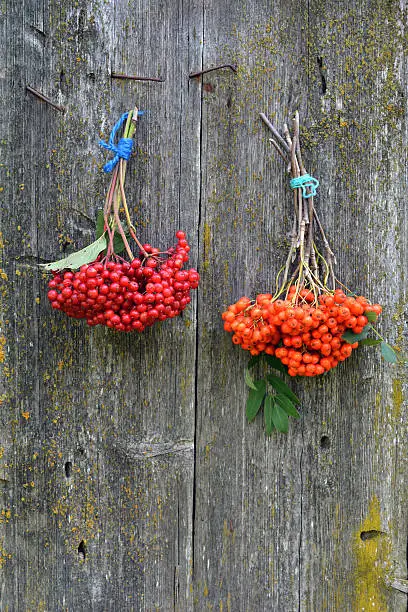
305, 335
127, 296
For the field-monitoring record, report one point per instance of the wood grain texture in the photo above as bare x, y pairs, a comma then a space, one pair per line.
130, 479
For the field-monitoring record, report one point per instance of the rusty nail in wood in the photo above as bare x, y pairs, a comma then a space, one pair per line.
39, 95
119, 75
197, 74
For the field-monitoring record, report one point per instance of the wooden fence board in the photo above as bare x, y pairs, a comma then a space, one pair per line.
130, 478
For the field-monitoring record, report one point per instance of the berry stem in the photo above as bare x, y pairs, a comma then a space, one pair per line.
107, 213
119, 224
130, 128
302, 251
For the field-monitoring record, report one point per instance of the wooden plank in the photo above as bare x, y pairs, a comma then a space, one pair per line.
282, 524
101, 467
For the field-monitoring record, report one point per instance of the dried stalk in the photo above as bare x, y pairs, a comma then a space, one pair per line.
303, 251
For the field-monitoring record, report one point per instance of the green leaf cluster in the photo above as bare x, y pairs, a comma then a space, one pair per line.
278, 405
90, 252
387, 351
79, 258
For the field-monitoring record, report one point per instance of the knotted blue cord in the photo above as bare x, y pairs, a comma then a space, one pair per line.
124, 147
303, 182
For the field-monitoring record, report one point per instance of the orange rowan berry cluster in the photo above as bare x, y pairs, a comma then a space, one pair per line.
304, 334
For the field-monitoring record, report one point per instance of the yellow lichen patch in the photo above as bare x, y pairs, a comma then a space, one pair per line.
2, 352
5, 515
372, 550
26, 415
397, 398
3, 275
207, 245
4, 555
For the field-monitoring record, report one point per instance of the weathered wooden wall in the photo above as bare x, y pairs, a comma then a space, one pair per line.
130, 479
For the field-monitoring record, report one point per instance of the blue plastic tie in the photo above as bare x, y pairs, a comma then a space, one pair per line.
124, 147
304, 181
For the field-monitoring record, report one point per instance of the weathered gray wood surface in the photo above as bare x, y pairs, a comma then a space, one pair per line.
130, 479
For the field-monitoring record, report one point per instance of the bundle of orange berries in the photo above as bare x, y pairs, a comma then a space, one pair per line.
304, 334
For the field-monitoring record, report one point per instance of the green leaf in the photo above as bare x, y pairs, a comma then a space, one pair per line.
118, 244
371, 316
268, 408
281, 387
285, 403
255, 399
254, 360
276, 363
388, 353
249, 380
78, 259
370, 342
280, 418
100, 223
349, 337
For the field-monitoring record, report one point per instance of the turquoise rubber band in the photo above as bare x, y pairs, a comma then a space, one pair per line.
303, 182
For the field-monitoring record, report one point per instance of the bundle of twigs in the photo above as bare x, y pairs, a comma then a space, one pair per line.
306, 267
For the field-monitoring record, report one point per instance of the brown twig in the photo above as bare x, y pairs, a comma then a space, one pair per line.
303, 249
279, 151
275, 132
201, 72
41, 96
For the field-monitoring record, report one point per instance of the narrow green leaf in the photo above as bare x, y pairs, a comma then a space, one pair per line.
249, 380
254, 360
388, 353
78, 259
268, 408
370, 342
281, 387
280, 418
371, 316
255, 399
118, 244
276, 363
285, 403
100, 223
349, 337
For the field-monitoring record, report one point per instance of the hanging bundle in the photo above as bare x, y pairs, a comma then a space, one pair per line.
98, 284
311, 322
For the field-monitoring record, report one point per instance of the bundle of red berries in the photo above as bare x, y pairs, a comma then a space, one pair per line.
124, 295
127, 296
306, 338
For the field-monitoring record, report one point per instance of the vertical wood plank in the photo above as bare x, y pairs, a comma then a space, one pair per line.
100, 488
280, 521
